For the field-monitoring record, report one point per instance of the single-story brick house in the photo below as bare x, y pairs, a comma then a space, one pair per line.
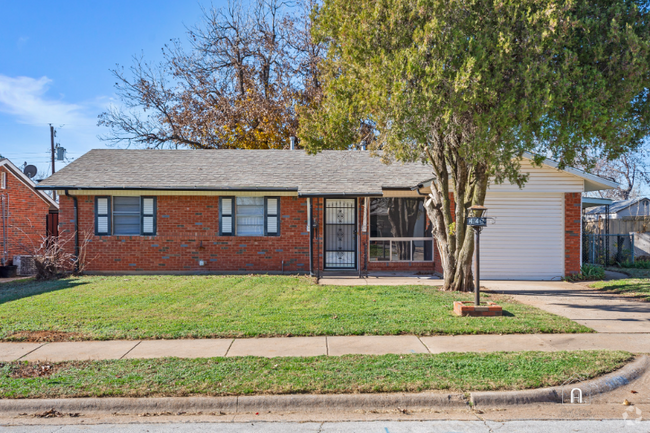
156, 211
24, 213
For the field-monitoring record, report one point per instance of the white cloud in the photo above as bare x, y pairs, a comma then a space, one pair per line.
25, 98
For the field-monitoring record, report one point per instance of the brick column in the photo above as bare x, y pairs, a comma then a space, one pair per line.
572, 232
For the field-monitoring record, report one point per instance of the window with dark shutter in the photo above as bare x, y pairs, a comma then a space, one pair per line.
148, 216
126, 216
102, 216
226, 213
272, 214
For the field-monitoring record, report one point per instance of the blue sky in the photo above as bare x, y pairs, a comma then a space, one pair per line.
55, 61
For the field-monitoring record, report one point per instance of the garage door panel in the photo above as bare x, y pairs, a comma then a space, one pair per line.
527, 239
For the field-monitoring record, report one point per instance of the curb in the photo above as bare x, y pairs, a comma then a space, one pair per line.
559, 394
320, 403
234, 405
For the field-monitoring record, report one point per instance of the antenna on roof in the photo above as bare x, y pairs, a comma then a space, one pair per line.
30, 171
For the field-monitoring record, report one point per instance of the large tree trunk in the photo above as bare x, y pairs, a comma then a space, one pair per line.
458, 185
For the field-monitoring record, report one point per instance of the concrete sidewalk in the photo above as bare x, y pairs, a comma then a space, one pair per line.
314, 346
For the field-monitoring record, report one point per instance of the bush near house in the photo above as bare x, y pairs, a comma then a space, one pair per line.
130, 307
588, 272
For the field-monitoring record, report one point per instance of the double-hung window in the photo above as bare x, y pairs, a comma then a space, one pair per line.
249, 216
399, 231
125, 216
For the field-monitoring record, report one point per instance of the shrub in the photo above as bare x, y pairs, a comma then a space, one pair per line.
588, 272
638, 264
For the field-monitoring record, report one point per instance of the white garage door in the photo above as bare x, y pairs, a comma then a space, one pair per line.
527, 240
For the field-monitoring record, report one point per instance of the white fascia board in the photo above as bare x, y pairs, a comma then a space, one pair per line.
591, 181
27, 181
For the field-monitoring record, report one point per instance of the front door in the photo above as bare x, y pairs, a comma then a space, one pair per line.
340, 234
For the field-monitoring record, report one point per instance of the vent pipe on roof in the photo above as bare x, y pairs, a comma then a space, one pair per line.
293, 141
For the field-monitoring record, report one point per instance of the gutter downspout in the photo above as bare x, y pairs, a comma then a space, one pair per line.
76, 229
5, 238
417, 188
311, 236
358, 230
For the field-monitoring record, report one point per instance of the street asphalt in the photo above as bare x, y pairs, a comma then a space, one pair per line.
605, 426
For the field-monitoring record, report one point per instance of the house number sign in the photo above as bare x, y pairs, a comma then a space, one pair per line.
476, 221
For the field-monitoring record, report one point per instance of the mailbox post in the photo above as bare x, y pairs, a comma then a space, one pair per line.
477, 220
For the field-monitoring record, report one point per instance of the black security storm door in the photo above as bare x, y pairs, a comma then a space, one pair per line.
340, 234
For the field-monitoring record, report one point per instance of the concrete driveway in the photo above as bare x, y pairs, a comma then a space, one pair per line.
595, 309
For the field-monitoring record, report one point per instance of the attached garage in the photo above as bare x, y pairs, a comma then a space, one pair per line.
526, 239
534, 232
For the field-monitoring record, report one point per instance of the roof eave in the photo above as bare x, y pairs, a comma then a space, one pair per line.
157, 188
5, 162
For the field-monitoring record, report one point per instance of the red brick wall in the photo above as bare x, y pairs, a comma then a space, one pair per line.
572, 232
28, 212
187, 232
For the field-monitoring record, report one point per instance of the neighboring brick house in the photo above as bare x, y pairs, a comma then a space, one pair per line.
246, 211
24, 213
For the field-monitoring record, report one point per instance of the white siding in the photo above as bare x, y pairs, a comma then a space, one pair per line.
526, 242
543, 179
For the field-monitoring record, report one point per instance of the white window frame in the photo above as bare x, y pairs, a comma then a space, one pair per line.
268, 214
390, 253
111, 216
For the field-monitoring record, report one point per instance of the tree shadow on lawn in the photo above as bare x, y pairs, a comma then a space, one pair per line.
627, 290
14, 291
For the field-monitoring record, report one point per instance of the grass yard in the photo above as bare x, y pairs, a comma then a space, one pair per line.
458, 372
634, 288
149, 307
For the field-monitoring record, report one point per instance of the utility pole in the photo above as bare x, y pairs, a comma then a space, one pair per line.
52, 134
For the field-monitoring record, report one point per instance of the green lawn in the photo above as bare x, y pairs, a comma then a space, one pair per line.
246, 306
459, 372
635, 288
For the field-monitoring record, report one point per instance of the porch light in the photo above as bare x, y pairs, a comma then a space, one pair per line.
478, 211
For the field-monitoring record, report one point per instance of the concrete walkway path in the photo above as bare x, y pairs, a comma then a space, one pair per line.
600, 311
383, 279
314, 346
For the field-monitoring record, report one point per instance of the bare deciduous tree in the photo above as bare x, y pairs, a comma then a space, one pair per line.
247, 69
631, 171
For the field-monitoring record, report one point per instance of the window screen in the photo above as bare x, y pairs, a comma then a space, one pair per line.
126, 215
250, 216
398, 218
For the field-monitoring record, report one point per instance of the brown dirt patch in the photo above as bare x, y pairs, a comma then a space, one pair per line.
44, 336
53, 413
23, 370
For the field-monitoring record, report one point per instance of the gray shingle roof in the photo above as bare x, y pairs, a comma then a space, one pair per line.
329, 172
615, 207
